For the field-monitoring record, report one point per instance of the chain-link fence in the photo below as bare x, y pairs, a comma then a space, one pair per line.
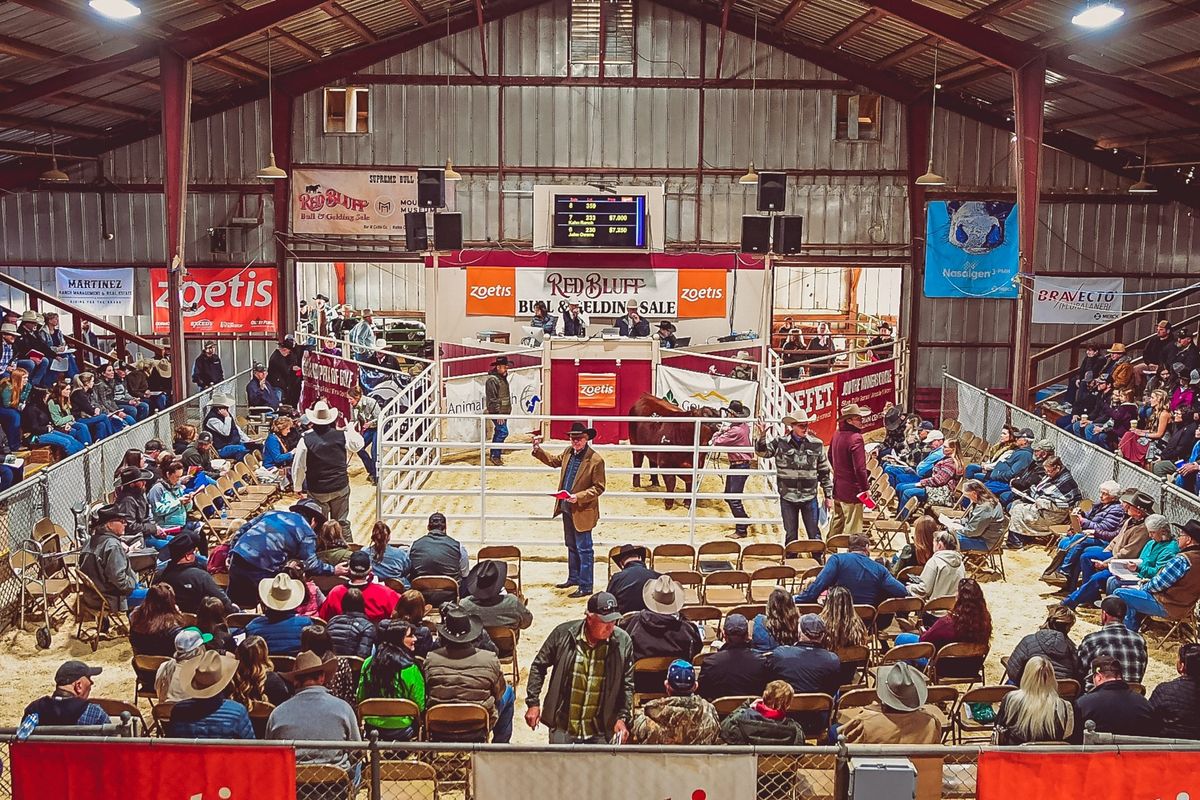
86, 478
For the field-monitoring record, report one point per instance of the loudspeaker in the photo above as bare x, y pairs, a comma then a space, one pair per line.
772, 186
789, 232
756, 234
431, 188
416, 237
447, 231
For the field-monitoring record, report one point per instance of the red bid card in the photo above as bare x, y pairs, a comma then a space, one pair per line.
561, 494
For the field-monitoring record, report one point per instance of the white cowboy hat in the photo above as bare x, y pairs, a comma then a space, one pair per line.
801, 417
663, 595
281, 593
321, 413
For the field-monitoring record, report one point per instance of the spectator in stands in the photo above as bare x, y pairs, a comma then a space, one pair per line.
1094, 528
229, 440
275, 453
105, 562
392, 674
158, 382
124, 399
1128, 542
207, 370
191, 583
1050, 499
792, 351
131, 501
283, 372
154, 624
207, 713
331, 544
1007, 464
61, 416
843, 627
930, 452
458, 672
801, 466
350, 631
313, 596
631, 575
184, 436
969, 621
633, 324
984, 524
484, 597
373, 372
1174, 590
1185, 351
380, 600
666, 335
806, 665
280, 626
8, 340
680, 718
260, 392
779, 625
1179, 443
848, 458
867, 579
14, 391
1155, 554
1142, 446
595, 656
412, 608
1175, 702
1035, 713
1027, 478
942, 572
1112, 705
1006, 443
199, 456
438, 553
137, 383
105, 392
881, 343
900, 716
1051, 643
189, 644
736, 669
63, 365
261, 548
764, 721
821, 344
169, 501
68, 703
388, 562
37, 424
344, 683
211, 620
1114, 639
9, 473
255, 681
1184, 395
1089, 367
659, 631
314, 713
319, 467
31, 353
364, 411
938, 488
1160, 349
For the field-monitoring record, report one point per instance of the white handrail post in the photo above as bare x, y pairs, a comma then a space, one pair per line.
482, 477
695, 482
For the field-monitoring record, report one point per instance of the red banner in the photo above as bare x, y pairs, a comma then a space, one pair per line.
1096, 776
872, 386
220, 300
61, 771
330, 378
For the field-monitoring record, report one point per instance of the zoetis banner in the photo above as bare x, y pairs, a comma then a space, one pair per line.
1077, 301
63, 771
464, 397
354, 201
660, 293
327, 377
688, 389
219, 300
597, 390
1096, 776
872, 386
104, 292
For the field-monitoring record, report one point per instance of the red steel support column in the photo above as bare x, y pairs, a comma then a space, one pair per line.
1029, 91
175, 76
282, 105
916, 121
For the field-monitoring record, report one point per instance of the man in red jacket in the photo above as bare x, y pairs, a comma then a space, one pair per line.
848, 455
379, 600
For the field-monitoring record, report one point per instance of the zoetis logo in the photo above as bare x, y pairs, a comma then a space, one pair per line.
597, 390
484, 292
491, 291
701, 293
707, 293
594, 389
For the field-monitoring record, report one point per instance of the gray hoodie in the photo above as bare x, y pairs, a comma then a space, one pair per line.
940, 576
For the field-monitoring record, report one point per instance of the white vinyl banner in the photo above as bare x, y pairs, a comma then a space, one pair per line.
103, 292
603, 293
601, 776
688, 389
1077, 301
354, 201
464, 396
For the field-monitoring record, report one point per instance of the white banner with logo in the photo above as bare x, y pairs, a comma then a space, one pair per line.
464, 396
354, 201
688, 389
103, 292
1077, 301
501, 775
603, 293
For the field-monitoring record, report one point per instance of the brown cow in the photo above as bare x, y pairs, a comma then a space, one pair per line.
663, 431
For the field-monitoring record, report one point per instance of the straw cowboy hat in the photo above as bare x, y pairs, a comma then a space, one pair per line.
8, 327
901, 687
854, 410
801, 417
221, 401
206, 676
1117, 349
322, 413
309, 663
663, 595
281, 593
163, 367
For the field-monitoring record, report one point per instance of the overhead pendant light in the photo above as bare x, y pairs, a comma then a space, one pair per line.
271, 172
451, 173
54, 174
1099, 15
751, 177
115, 9
1144, 186
931, 178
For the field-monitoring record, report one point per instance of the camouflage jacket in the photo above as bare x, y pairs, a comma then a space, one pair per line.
677, 720
799, 468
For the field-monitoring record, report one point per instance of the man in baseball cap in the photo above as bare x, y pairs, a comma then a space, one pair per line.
800, 467
682, 717
902, 473
438, 553
68, 704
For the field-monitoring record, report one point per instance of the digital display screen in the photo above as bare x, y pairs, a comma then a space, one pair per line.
600, 221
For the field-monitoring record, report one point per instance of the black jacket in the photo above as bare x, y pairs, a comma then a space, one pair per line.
734, 671
280, 372
207, 370
28, 343
1052, 645
627, 584
352, 634
748, 726
558, 652
136, 508
192, 585
1177, 704
807, 667
83, 404
35, 420
1115, 708
662, 635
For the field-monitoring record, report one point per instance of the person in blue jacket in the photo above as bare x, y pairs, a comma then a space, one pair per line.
275, 451
261, 547
260, 393
901, 473
1012, 464
280, 626
868, 581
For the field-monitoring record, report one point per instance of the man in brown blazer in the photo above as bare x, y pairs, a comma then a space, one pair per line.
581, 476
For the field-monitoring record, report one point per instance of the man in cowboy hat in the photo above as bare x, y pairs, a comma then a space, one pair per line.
734, 433
580, 484
800, 467
438, 553
573, 322
848, 458
484, 596
207, 370
900, 716
68, 703
380, 601
632, 574
260, 392
260, 548
459, 672
8, 339
105, 560
189, 643
1174, 589
280, 625
208, 713
659, 631
320, 463
192, 584
743, 371
283, 371
131, 501
633, 324
362, 335
666, 334
158, 382
229, 440
682, 717
313, 714
31, 352
497, 399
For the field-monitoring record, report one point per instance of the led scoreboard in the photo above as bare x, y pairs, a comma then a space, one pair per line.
600, 221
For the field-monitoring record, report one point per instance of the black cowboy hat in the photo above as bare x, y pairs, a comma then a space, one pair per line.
738, 409
458, 626
106, 514
180, 545
577, 428
485, 581
628, 550
893, 418
129, 475
501, 361
666, 324
1191, 528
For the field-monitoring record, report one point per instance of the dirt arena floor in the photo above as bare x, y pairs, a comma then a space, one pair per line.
1017, 605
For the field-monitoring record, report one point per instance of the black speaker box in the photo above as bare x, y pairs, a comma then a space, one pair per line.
416, 237
431, 188
756, 234
772, 187
789, 232
447, 231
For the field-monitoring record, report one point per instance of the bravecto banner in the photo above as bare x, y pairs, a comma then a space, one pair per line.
220, 300
344, 202
1077, 301
597, 390
1096, 776
872, 386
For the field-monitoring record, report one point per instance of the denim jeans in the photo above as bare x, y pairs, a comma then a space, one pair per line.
736, 484
908, 491
898, 474
506, 707
368, 453
580, 554
1082, 569
119, 423
1139, 601
499, 434
139, 411
100, 426
10, 421
974, 472
970, 543
37, 370
793, 513
69, 444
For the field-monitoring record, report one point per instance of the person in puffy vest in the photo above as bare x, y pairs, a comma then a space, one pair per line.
319, 467
68, 704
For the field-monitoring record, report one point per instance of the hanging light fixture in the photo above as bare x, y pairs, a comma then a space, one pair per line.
271, 172
931, 178
1144, 186
54, 174
115, 9
1099, 15
451, 173
751, 177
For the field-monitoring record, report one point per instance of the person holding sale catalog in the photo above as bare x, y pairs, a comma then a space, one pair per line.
580, 484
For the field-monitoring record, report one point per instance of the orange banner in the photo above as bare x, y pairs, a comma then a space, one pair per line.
491, 291
597, 390
701, 293
1096, 776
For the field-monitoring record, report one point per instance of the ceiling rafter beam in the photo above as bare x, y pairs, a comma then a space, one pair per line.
479, 26
347, 20
993, 10
726, 5
1165, 66
1101, 114
1165, 137
417, 11
860, 24
71, 100
49, 126
788, 14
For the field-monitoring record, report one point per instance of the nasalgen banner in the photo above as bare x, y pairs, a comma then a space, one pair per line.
345, 202
219, 300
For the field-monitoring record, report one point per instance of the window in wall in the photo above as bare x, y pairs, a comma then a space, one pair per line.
585, 32
856, 117
347, 109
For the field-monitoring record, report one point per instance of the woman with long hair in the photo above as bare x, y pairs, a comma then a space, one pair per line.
938, 488
184, 435
255, 680
154, 623
387, 561
35, 423
87, 408
1035, 712
1004, 445
313, 596
843, 627
105, 391
1141, 445
412, 608
331, 547
15, 387
984, 524
969, 621
392, 673
63, 418
275, 449
818, 345
780, 624
210, 619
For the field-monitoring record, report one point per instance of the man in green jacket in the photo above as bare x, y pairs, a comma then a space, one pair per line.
590, 696
497, 399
